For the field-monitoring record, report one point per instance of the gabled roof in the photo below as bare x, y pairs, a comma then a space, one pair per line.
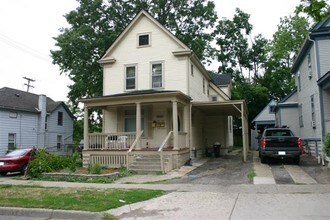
294, 91
320, 29
185, 49
265, 114
13, 99
220, 79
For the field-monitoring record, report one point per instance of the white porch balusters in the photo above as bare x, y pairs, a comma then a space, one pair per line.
175, 125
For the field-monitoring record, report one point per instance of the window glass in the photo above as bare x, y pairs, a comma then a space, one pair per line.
60, 118
144, 40
157, 75
130, 77
130, 120
11, 141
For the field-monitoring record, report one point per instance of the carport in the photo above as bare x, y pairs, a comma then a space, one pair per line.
228, 108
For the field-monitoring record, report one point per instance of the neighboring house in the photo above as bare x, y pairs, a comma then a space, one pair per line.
28, 120
158, 101
265, 119
307, 109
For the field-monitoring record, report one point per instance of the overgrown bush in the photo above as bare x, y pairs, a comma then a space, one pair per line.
45, 162
94, 168
327, 145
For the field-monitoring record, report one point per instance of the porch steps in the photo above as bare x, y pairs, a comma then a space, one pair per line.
147, 164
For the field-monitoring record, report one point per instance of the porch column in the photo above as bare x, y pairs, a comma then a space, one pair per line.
138, 123
175, 125
86, 138
186, 122
244, 132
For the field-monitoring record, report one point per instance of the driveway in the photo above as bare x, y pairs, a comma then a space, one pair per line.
229, 169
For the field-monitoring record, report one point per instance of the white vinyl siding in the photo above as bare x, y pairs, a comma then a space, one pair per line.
174, 68
324, 54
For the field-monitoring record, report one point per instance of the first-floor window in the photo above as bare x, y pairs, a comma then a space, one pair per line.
157, 75
301, 123
11, 141
59, 141
130, 120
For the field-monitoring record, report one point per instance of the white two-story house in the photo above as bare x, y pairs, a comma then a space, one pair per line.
29, 120
307, 109
158, 101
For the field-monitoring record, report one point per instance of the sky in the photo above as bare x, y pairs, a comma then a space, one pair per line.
27, 29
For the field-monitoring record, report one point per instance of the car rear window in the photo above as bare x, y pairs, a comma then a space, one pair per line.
16, 153
278, 133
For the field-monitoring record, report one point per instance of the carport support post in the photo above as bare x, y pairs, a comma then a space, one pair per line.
244, 134
175, 124
86, 140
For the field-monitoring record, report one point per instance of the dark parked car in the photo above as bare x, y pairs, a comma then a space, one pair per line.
280, 143
16, 161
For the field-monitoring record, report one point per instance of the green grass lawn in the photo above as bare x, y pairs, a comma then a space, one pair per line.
86, 199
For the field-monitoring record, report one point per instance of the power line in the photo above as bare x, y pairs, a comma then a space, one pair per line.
24, 48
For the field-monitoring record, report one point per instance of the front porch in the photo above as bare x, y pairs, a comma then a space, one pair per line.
152, 125
115, 150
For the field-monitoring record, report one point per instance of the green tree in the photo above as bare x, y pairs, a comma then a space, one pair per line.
285, 45
95, 25
316, 9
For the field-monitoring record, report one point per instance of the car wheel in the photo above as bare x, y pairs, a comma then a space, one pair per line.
296, 160
3, 173
23, 170
263, 159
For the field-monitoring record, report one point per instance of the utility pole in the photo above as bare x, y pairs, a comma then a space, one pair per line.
28, 83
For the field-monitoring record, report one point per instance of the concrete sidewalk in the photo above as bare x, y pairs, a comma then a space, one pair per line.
195, 201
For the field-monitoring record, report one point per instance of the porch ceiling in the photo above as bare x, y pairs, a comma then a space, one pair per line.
229, 108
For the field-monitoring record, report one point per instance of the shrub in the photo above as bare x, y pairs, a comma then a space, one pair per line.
94, 168
45, 162
327, 145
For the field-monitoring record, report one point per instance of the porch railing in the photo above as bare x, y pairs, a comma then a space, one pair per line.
160, 150
137, 139
111, 141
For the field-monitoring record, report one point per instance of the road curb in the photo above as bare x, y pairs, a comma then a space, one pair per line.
50, 213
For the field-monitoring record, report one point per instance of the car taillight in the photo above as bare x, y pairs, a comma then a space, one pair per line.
299, 142
263, 143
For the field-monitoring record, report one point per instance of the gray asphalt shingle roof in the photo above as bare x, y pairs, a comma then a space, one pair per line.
14, 99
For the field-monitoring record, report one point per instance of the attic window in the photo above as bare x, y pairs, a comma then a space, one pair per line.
144, 40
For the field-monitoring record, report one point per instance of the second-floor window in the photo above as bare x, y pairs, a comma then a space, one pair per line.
60, 118
310, 74
157, 75
130, 77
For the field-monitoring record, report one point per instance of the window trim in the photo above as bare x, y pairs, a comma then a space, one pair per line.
135, 76
138, 39
60, 119
162, 74
301, 119
309, 66
13, 142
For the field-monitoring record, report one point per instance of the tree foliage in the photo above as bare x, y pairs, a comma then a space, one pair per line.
316, 9
285, 45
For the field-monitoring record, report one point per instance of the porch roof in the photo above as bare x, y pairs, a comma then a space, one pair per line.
146, 96
230, 108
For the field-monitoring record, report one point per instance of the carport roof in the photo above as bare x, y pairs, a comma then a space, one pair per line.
230, 108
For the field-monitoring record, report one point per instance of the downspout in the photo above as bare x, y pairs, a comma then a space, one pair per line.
320, 100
